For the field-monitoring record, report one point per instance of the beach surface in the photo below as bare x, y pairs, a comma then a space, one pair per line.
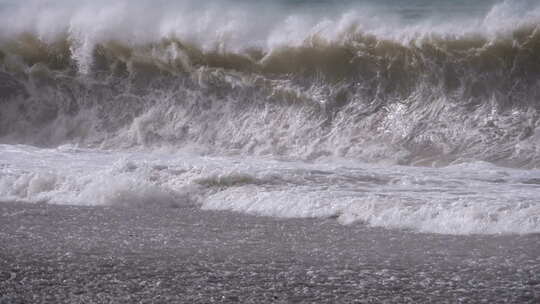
67, 254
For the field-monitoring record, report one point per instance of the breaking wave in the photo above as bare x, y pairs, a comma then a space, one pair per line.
217, 81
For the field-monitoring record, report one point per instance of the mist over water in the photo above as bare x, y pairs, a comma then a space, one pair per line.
420, 115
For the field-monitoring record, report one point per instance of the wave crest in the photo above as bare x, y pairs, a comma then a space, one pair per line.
428, 99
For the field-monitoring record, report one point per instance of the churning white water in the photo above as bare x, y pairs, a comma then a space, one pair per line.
468, 198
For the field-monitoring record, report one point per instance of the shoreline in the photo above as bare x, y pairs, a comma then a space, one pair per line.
71, 254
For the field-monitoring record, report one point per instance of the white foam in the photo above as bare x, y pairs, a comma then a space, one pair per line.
80, 177
466, 198
467, 215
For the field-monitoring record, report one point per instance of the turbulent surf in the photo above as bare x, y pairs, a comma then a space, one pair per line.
423, 116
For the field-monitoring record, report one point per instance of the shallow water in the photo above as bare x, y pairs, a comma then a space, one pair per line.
66, 254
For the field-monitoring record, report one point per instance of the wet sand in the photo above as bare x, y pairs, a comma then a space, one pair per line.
63, 254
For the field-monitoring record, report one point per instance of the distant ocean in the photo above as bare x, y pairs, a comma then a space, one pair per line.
418, 114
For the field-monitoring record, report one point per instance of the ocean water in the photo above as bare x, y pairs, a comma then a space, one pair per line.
419, 115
